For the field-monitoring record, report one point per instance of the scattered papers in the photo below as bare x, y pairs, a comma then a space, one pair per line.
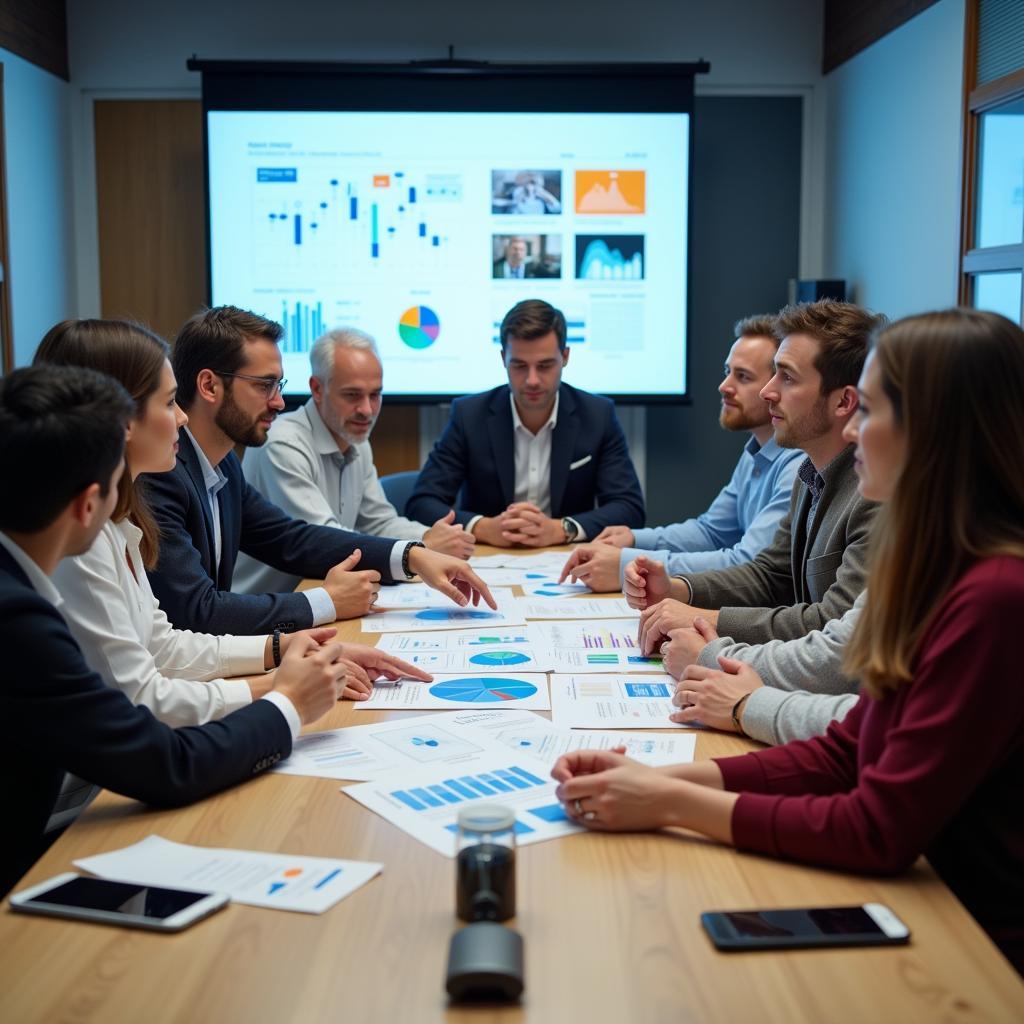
425, 803
419, 595
500, 577
549, 562
605, 635
366, 752
580, 608
612, 702
536, 584
446, 692
469, 651
525, 732
281, 881
582, 659
450, 616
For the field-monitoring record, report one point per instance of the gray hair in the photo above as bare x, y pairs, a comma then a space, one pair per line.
321, 355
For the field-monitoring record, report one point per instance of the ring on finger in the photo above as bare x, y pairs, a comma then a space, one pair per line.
577, 806
590, 816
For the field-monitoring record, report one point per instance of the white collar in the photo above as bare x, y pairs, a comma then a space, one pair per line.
41, 583
517, 422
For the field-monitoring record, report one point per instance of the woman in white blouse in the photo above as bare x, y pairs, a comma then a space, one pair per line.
109, 604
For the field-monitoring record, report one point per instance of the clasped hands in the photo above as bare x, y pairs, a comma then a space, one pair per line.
523, 524
362, 665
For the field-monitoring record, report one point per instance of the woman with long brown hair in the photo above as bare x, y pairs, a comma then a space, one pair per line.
108, 602
930, 760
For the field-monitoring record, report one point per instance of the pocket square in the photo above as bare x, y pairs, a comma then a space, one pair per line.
580, 462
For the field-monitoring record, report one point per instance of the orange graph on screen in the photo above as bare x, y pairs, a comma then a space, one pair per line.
618, 192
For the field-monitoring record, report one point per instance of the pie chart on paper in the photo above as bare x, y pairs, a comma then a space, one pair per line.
500, 658
483, 691
419, 327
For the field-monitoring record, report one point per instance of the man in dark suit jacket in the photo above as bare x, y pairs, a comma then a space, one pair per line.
63, 432
228, 369
538, 462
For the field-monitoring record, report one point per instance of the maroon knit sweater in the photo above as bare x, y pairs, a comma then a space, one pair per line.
936, 767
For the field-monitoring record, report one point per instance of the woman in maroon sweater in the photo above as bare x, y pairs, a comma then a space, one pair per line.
931, 759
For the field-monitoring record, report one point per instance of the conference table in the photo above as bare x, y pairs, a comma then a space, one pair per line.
610, 923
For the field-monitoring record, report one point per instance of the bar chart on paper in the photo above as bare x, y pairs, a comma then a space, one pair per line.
425, 805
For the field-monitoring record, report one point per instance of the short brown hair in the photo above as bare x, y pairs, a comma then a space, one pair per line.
532, 319
760, 325
843, 332
214, 339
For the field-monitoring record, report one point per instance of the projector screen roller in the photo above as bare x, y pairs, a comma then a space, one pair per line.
424, 227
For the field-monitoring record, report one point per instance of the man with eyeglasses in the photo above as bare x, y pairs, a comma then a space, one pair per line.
228, 368
317, 464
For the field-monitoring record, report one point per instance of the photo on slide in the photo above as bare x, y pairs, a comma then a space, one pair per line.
520, 256
526, 193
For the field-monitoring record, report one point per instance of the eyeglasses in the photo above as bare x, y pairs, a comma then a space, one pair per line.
270, 387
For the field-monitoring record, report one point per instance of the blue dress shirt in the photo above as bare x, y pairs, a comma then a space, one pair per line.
740, 522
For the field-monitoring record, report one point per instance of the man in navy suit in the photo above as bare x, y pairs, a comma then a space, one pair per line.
228, 369
62, 458
538, 462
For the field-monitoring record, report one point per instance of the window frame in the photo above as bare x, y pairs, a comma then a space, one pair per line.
978, 100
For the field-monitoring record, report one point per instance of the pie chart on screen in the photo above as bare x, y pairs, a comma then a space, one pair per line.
419, 327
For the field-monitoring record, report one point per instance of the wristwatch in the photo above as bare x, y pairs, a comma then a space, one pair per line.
570, 529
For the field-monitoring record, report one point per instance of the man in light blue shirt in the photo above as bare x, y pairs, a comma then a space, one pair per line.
743, 518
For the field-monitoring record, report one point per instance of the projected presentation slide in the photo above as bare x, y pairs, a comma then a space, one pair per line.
425, 228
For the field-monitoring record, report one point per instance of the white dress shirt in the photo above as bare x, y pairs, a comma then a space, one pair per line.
302, 471
533, 464
127, 638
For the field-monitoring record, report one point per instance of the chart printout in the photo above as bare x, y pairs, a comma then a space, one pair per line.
612, 702
426, 803
448, 692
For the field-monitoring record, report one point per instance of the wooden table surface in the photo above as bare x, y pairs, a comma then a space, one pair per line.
610, 923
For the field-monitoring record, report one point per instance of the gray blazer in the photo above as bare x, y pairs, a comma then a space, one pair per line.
807, 575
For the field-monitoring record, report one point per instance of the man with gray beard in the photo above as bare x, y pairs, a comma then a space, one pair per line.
317, 464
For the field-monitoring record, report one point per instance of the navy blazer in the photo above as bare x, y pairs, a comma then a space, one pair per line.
196, 597
590, 463
57, 716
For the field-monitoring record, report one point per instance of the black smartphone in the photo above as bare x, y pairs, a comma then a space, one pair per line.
138, 906
869, 925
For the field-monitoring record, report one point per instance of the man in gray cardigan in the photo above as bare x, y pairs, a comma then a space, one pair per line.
782, 690
815, 566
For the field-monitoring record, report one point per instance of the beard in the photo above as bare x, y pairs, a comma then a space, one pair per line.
237, 425
742, 418
813, 423
336, 425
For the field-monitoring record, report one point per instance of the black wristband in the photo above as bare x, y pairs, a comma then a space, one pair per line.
737, 712
275, 647
405, 557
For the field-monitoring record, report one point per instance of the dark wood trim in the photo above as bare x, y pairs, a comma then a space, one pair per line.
969, 147
853, 25
6, 322
995, 258
992, 94
38, 31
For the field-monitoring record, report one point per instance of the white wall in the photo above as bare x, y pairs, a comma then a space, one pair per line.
893, 165
124, 48
40, 236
